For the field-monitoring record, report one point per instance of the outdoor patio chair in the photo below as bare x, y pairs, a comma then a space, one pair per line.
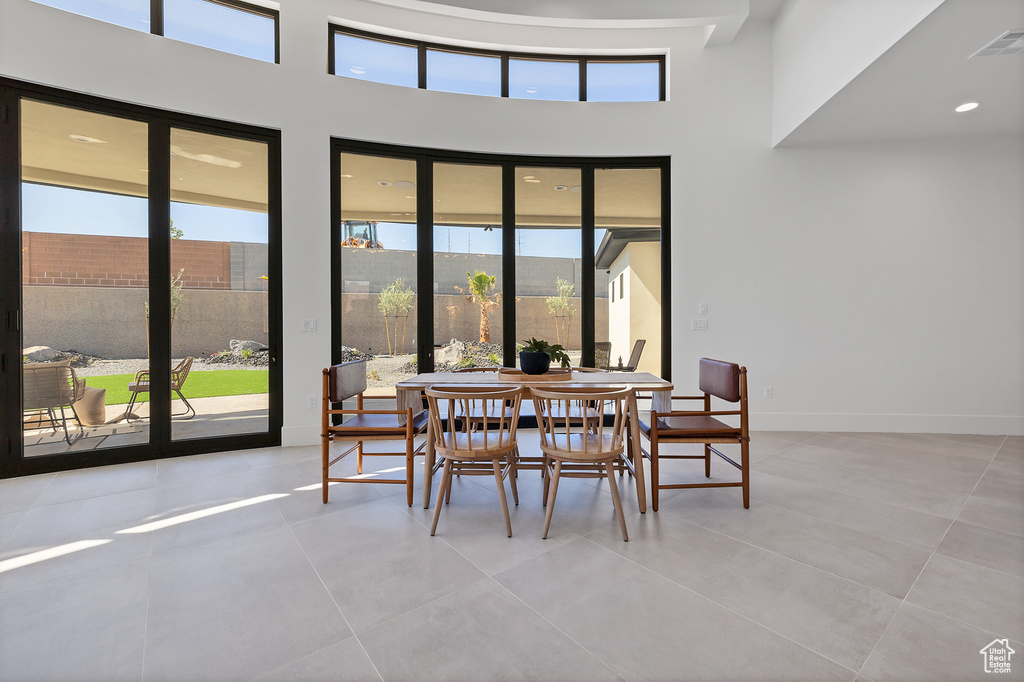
343, 382
602, 354
488, 449
52, 386
141, 385
724, 381
634, 357
588, 448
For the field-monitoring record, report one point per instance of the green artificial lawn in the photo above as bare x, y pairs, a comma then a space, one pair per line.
204, 384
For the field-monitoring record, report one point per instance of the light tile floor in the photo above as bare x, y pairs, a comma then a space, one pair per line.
862, 557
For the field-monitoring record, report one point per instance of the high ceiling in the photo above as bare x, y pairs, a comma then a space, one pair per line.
912, 89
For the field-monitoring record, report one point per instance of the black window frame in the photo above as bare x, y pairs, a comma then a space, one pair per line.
156, 21
423, 46
161, 445
425, 159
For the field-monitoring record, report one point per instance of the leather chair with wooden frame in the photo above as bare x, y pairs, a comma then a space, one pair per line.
348, 380
724, 381
483, 445
584, 448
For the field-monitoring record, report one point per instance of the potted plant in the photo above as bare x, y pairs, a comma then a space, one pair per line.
535, 357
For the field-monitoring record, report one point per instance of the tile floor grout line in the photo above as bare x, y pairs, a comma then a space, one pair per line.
556, 628
709, 599
924, 567
334, 601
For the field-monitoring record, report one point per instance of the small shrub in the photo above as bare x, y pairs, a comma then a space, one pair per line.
465, 362
495, 358
373, 375
246, 353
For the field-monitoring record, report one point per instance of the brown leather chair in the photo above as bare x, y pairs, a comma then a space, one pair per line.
722, 380
343, 382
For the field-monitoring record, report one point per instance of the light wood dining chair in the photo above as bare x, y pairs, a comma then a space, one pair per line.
480, 446
343, 382
581, 448
721, 380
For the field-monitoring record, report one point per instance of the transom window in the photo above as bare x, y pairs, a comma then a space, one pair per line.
574, 78
227, 25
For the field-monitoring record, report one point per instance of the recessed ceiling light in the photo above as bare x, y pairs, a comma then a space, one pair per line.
204, 158
967, 106
560, 188
346, 175
532, 91
358, 70
410, 197
531, 180
404, 184
86, 139
528, 177
384, 183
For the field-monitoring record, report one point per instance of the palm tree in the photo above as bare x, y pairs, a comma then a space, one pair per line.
479, 285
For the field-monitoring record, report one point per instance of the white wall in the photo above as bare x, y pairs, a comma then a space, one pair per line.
875, 287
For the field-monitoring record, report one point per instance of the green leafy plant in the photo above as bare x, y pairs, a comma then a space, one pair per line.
465, 362
478, 292
555, 352
495, 358
246, 353
395, 300
176, 232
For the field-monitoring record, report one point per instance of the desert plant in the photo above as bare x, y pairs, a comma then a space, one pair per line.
553, 351
560, 306
395, 300
495, 358
465, 362
177, 298
246, 353
480, 284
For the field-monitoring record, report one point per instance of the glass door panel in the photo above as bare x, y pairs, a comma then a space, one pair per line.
548, 250
219, 235
85, 279
468, 288
627, 207
378, 267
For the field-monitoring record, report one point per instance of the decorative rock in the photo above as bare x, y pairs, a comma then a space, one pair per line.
237, 346
450, 354
39, 353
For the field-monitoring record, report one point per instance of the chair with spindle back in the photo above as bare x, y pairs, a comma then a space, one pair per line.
484, 447
583, 448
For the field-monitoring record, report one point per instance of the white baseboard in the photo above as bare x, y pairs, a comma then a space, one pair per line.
989, 425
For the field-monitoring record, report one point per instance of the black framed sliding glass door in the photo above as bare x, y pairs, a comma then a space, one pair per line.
512, 247
136, 243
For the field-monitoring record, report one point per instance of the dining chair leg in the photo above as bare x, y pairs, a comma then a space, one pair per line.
707, 460
359, 457
496, 463
324, 453
512, 476
447, 489
446, 474
617, 500
654, 474
545, 473
553, 484
745, 471
408, 475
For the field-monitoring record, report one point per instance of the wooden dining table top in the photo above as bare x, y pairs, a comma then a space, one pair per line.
643, 381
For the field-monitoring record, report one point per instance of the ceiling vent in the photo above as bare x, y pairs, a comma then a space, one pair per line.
1011, 42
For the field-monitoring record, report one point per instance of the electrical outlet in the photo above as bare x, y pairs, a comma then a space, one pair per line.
702, 309
309, 325
699, 324
311, 402
768, 393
